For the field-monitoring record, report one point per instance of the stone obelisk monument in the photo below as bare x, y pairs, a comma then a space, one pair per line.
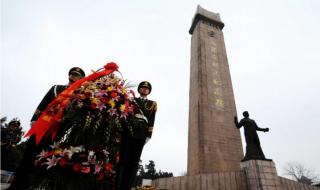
214, 142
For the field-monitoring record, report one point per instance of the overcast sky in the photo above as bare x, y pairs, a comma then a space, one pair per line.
272, 46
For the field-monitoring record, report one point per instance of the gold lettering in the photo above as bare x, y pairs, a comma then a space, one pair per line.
216, 82
219, 103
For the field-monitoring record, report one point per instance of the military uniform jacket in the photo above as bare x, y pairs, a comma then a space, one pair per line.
149, 109
47, 99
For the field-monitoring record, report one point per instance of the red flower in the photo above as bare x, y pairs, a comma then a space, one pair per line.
93, 106
117, 157
113, 94
77, 167
49, 154
85, 169
104, 100
111, 66
63, 162
108, 167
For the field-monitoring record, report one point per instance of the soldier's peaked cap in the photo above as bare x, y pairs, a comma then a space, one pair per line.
77, 70
145, 84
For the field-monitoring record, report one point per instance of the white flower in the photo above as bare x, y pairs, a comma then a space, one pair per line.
112, 111
42, 154
76, 149
67, 152
51, 162
91, 157
105, 152
91, 153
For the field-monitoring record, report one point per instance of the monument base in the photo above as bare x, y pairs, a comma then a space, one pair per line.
254, 175
261, 174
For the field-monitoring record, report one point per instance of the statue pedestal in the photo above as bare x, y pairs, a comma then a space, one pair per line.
260, 175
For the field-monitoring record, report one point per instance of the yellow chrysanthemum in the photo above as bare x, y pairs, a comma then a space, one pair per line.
112, 104
95, 100
58, 151
122, 107
109, 88
124, 91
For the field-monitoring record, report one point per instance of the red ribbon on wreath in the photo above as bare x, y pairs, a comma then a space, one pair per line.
49, 121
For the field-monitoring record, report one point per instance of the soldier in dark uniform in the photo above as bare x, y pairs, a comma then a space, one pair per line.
75, 74
27, 166
132, 145
253, 148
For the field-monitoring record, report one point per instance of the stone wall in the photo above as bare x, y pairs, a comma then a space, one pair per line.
213, 181
287, 184
254, 175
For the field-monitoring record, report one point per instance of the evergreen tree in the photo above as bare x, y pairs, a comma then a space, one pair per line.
161, 174
149, 172
11, 151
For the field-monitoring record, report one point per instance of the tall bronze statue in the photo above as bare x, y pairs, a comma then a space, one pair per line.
253, 148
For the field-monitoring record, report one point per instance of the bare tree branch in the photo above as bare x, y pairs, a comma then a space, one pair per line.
300, 173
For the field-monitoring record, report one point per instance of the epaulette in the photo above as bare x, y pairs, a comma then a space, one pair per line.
153, 106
